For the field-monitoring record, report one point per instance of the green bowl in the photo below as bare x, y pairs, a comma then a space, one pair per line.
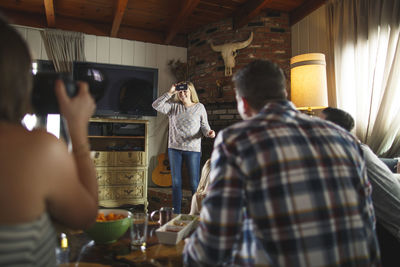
109, 232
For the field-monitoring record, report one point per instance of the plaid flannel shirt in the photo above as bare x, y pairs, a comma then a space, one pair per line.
286, 189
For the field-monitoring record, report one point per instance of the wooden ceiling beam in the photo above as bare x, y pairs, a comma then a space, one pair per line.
150, 36
304, 10
119, 14
25, 19
50, 16
184, 13
99, 29
249, 10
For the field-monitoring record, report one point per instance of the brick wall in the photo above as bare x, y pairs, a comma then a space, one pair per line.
271, 40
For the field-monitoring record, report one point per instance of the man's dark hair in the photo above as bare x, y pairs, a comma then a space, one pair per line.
340, 117
259, 82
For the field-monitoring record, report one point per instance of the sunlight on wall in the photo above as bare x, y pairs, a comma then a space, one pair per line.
52, 126
34, 67
29, 121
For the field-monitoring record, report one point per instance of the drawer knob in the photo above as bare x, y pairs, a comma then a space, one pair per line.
128, 192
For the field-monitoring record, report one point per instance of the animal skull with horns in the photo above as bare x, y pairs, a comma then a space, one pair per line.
228, 52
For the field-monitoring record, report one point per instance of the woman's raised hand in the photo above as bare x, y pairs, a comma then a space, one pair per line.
76, 110
172, 90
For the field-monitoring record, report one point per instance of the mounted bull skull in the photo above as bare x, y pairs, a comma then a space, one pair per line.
228, 52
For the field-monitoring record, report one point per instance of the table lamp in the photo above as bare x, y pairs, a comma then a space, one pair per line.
308, 82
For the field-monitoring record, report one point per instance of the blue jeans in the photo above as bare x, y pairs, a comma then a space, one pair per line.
192, 161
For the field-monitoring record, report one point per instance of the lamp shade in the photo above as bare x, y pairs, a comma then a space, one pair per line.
308, 81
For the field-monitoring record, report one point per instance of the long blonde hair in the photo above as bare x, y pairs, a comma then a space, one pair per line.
193, 94
205, 177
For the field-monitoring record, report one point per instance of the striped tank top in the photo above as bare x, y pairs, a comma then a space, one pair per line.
28, 244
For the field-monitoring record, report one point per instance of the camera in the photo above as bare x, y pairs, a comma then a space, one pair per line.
44, 100
181, 87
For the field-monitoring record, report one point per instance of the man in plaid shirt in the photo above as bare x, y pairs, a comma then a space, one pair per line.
286, 189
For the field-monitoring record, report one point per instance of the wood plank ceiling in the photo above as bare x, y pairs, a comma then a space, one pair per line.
156, 21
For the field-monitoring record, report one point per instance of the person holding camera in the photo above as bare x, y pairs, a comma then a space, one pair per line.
40, 180
188, 123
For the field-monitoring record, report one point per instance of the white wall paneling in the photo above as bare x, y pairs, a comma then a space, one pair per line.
90, 47
103, 49
318, 32
128, 49
162, 66
43, 54
22, 31
304, 36
175, 53
115, 51
151, 55
33, 37
295, 39
139, 58
310, 35
34, 41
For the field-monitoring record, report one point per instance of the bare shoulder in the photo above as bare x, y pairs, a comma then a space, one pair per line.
16, 139
47, 141
40, 145
53, 152
30, 164
42, 155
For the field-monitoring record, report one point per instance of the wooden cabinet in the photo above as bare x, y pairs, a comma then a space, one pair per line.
119, 151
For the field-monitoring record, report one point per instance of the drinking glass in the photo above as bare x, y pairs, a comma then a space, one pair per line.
165, 214
138, 231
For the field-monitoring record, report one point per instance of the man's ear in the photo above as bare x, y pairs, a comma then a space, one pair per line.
246, 110
246, 106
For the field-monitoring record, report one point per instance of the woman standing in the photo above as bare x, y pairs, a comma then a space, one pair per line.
188, 123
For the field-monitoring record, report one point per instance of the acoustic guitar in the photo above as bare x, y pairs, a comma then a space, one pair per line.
161, 175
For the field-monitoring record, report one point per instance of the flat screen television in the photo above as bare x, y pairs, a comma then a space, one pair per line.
126, 91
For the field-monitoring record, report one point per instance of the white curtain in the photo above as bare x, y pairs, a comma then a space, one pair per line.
365, 45
63, 48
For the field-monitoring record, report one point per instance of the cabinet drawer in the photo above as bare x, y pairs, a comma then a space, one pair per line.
102, 158
121, 192
103, 176
130, 177
119, 159
130, 158
113, 176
